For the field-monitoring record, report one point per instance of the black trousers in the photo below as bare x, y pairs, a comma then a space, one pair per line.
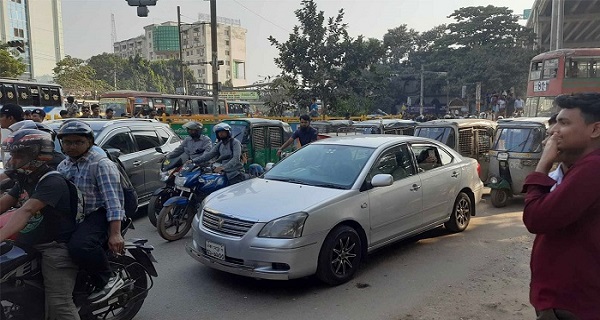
87, 247
555, 314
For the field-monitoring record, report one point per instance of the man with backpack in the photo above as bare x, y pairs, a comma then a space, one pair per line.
103, 208
46, 219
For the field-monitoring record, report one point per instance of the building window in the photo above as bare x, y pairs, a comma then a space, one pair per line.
226, 32
228, 74
19, 32
226, 42
227, 63
226, 52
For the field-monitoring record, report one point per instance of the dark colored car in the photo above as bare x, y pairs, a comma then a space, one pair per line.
136, 141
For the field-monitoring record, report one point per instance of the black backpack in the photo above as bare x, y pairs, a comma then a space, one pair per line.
130, 197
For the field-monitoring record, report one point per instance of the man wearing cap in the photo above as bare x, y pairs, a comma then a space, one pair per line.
38, 115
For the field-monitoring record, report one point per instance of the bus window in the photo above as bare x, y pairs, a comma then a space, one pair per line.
35, 95
9, 95
24, 95
536, 70
55, 97
550, 68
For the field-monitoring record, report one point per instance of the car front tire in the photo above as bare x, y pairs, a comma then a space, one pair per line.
340, 256
461, 213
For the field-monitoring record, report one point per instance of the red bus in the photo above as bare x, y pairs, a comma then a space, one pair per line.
559, 72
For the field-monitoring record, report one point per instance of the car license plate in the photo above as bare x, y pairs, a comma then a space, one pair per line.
502, 156
215, 250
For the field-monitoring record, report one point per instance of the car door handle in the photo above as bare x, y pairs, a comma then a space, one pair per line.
415, 187
137, 163
454, 174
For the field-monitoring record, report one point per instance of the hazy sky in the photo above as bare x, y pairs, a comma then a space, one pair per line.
87, 23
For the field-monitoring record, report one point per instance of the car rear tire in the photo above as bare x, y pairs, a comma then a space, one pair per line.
175, 221
461, 213
340, 256
499, 197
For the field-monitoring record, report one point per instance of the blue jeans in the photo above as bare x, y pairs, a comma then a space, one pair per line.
60, 274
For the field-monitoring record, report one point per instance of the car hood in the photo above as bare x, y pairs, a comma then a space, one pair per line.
263, 200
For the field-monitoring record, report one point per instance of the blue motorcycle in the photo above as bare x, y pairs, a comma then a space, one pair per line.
192, 184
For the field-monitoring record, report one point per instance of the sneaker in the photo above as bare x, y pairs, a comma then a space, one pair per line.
114, 283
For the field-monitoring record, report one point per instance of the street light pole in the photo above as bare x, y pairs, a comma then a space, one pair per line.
215, 65
182, 66
422, 86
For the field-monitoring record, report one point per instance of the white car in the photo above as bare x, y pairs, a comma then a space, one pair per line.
326, 206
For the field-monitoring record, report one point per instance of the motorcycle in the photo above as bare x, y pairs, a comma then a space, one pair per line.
23, 290
168, 171
193, 183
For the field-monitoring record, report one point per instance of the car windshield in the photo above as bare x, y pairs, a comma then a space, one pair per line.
324, 165
436, 133
519, 140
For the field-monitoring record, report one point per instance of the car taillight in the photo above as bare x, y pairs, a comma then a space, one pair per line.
478, 168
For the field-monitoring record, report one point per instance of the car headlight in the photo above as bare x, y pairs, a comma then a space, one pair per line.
287, 227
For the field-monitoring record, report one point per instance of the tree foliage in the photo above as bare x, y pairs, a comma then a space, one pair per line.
108, 71
9, 66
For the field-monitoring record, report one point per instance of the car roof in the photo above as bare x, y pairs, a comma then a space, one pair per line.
373, 140
257, 121
524, 121
99, 124
459, 122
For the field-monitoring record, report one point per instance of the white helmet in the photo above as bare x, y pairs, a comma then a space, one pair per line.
193, 125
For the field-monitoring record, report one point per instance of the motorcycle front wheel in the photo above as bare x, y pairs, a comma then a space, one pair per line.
175, 221
156, 204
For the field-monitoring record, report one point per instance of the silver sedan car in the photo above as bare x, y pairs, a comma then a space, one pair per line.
322, 209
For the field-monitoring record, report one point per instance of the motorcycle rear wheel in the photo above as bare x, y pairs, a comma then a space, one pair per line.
129, 269
175, 221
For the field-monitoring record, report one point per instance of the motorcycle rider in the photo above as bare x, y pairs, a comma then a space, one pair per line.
103, 210
228, 152
45, 220
195, 144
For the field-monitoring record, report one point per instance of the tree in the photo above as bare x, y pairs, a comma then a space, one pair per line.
321, 57
77, 78
277, 96
9, 66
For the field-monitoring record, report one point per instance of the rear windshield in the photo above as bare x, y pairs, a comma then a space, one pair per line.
443, 135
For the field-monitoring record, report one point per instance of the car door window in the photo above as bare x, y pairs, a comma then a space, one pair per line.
121, 141
396, 161
146, 140
428, 157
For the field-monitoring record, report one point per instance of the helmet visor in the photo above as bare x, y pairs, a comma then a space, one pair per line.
21, 157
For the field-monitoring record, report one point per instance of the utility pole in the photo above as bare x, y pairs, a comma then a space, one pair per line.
214, 61
422, 87
181, 50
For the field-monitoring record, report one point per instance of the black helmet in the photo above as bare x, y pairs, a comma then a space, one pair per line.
75, 127
28, 150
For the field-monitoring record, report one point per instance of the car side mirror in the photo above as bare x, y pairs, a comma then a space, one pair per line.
269, 166
114, 152
382, 180
159, 150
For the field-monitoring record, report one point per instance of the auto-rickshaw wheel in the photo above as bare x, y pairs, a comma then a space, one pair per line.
499, 197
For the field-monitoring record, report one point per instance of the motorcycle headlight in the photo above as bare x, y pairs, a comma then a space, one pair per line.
164, 176
287, 227
180, 181
493, 180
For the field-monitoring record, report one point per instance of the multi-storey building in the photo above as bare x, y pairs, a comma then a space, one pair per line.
39, 24
161, 41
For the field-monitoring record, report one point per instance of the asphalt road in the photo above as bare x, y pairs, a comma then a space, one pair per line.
481, 273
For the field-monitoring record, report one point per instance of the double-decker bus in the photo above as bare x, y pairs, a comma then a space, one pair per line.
559, 72
32, 95
131, 103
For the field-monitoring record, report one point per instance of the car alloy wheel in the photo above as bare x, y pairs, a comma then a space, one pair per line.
340, 255
461, 213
